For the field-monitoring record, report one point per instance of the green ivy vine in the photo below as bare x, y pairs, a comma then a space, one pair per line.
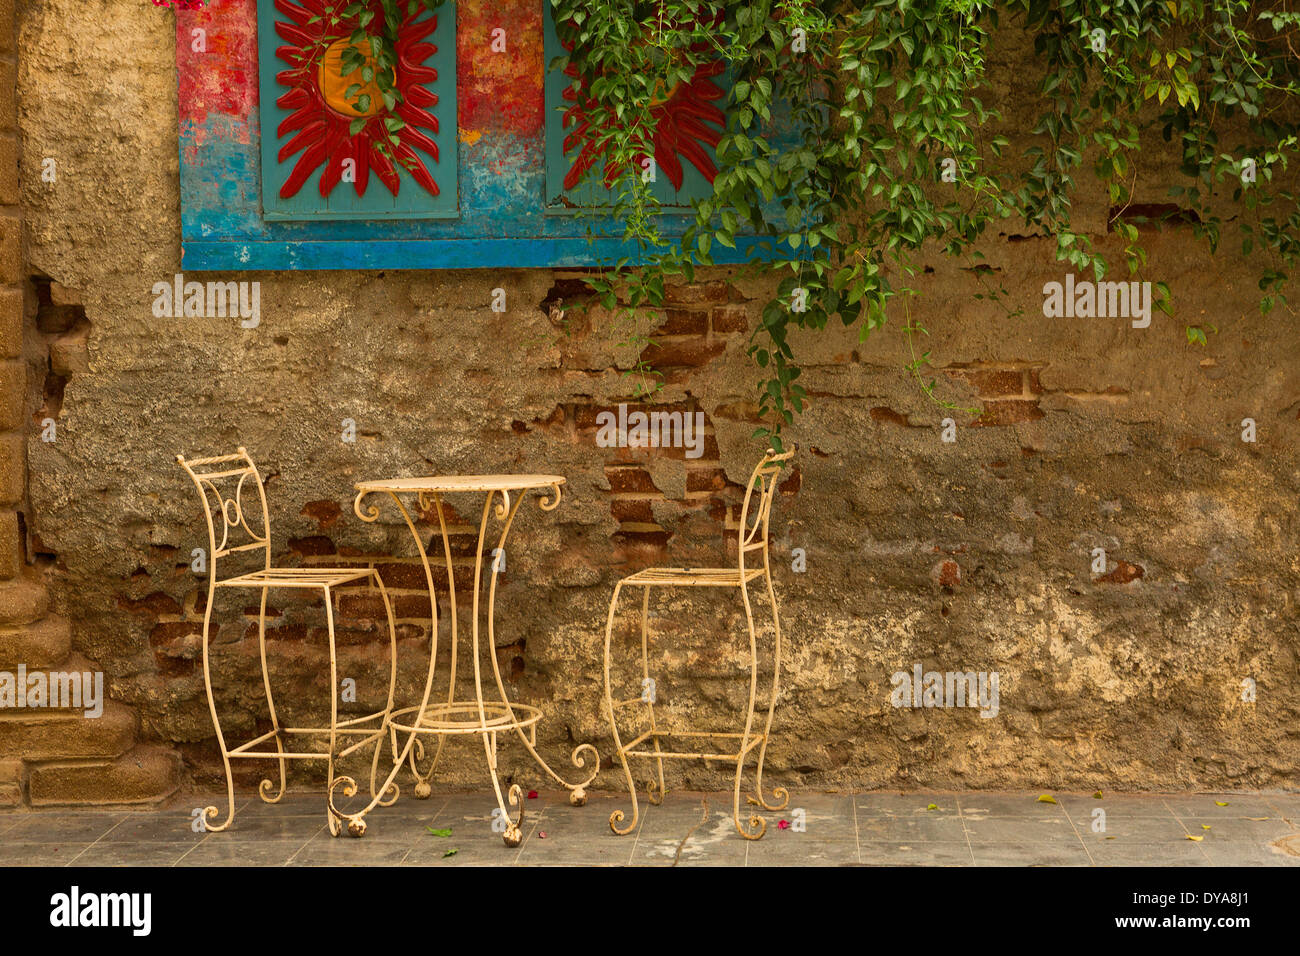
888, 96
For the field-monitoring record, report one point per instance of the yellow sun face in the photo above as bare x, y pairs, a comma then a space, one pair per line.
333, 84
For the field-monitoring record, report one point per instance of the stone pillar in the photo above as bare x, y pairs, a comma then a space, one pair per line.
48, 756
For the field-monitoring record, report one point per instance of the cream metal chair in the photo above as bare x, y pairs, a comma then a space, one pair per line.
236, 470
752, 540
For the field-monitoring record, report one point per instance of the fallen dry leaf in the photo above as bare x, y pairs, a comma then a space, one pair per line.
1046, 798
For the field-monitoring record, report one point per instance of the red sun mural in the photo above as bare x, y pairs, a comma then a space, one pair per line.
685, 118
322, 113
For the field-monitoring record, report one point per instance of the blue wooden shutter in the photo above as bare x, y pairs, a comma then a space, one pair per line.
591, 194
413, 200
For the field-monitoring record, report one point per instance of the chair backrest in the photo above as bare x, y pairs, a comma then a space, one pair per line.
757, 509
222, 482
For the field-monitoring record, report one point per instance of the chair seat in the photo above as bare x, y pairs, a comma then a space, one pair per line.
296, 578
692, 577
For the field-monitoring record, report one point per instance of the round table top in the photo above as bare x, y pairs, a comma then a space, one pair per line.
455, 483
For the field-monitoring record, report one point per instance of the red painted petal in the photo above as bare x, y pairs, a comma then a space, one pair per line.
384, 170
691, 128
361, 154
335, 151
307, 164
416, 52
291, 34
416, 32
294, 12
421, 96
580, 166
310, 136
293, 99
419, 172
298, 120
707, 89
666, 156
419, 141
575, 139
698, 158
412, 74
415, 116
705, 112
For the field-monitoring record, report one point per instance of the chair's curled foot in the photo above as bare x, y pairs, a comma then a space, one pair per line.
616, 818
422, 790
513, 836
578, 797
755, 823
780, 793
357, 827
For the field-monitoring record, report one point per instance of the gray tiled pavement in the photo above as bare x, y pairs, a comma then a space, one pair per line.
688, 829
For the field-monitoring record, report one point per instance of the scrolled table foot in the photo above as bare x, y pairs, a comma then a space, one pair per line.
357, 827
513, 836
423, 790
578, 797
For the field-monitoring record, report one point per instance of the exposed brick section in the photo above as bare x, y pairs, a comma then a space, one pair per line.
8, 169
682, 352
8, 33
992, 382
324, 512
312, 546
701, 480
12, 549
630, 479
1010, 392
946, 574
13, 468
715, 292
1123, 574
11, 323
730, 318
156, 604
632, 511
738, 412
1009, 413
684, 322
888, 415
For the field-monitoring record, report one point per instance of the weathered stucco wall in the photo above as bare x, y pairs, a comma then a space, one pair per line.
973, 555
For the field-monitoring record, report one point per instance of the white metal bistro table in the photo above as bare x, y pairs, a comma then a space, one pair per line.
487, 715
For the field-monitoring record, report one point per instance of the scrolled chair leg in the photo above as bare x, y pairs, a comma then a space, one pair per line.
578, 793
355, 824
757, 827
514, 834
